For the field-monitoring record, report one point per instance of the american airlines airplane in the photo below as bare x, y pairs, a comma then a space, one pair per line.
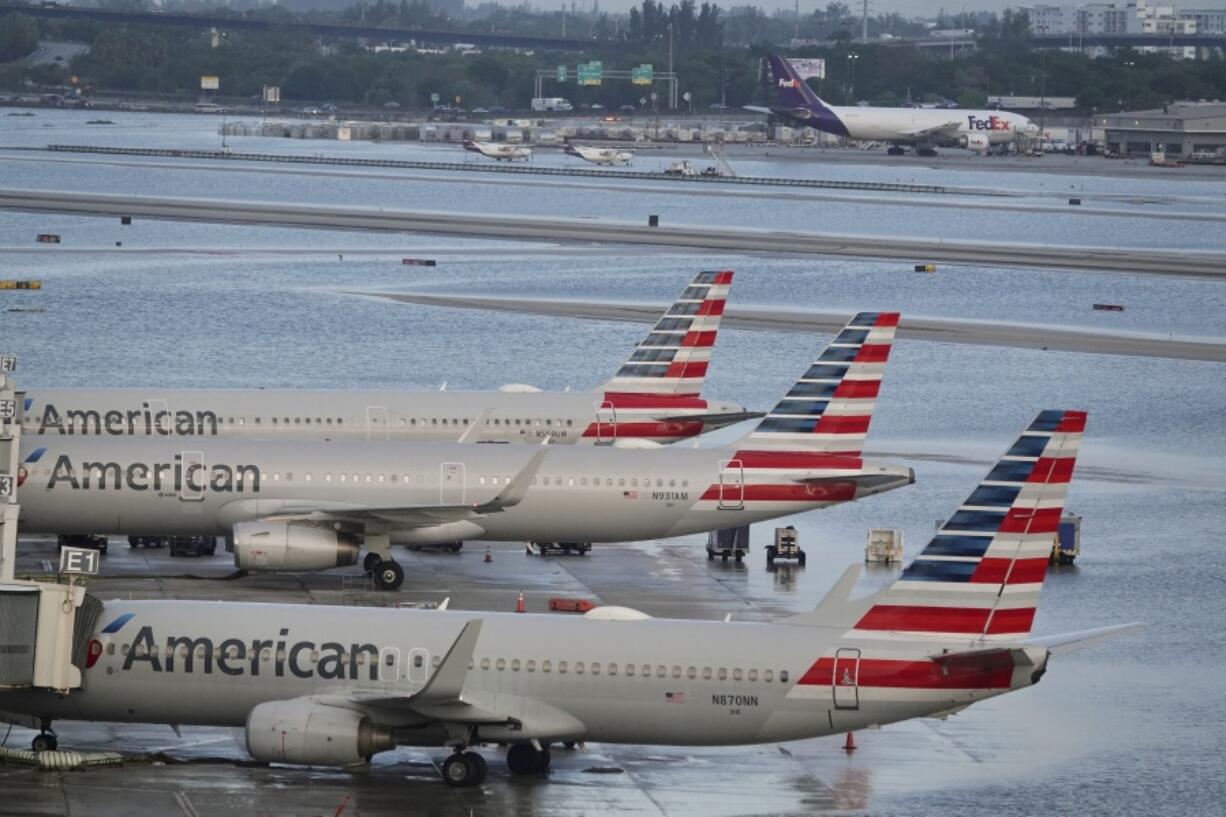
923, 128
501, 152
290, 505
599, 156
335, 685
654, 398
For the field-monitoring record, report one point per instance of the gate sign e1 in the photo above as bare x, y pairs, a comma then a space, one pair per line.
79, 560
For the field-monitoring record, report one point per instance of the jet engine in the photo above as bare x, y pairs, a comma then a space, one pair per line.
286, 546
313, 734
975, 141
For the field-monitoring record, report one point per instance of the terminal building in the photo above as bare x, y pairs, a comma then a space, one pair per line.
1178, 129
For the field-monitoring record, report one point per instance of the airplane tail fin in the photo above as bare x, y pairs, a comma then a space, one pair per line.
981, 574
829, 408
790, 89
673, 358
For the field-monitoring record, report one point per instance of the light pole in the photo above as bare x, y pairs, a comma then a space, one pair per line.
1128, 66
672, 88
851, 77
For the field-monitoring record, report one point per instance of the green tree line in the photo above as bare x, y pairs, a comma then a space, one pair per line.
163, 59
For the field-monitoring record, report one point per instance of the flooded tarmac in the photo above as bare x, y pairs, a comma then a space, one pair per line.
1134, 726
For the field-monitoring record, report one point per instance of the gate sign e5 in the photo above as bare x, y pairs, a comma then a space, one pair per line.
8, 411
79, 560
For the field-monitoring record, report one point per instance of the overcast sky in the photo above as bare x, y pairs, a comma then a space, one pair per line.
907, 8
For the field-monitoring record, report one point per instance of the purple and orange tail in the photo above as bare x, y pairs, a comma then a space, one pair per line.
981, 574
830, 407
673, 358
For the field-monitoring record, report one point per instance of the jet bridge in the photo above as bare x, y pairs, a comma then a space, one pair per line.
44, 626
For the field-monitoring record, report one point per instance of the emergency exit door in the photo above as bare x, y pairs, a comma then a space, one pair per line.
606, 423
731, 485
451, 483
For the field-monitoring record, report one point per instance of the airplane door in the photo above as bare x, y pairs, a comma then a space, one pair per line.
376, 423
606, 423
195, 478
731, 485
419, 663
451, 483
389, 664
846, 679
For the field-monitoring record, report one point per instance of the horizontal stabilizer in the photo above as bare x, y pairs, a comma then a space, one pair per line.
1072, 642
833, 606
715, 419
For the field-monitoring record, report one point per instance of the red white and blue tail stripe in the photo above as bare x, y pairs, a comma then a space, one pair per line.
830, 407
981, 574
673, 358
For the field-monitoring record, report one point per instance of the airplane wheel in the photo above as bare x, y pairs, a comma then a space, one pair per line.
46, 742
389, 575
523, 759
480, 767
371, 562
458, 772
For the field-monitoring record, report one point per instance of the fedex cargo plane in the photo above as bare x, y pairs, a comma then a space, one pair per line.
654, 398
318, 685
792, 100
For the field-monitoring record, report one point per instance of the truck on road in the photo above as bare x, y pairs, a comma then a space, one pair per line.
550, 103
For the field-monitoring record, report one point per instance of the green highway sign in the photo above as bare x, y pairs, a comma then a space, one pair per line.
642, 75
562, 73
590, 73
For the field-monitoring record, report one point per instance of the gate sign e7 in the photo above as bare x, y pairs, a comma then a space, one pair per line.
79, 560
8, 364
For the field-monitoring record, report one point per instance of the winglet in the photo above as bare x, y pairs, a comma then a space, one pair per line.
517, 488
447, 682
827, 612
481, 420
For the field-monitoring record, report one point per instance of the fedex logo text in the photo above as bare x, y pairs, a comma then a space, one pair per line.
991, 123
787, 83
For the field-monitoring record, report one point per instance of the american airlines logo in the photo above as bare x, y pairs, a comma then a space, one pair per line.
991, 123
178, 476
329, 660
159, 422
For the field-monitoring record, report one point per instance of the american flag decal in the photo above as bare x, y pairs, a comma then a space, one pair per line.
630, 494
674, 697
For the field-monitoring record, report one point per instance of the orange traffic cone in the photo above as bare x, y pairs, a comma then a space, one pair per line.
519, 605
488, 557
849, 745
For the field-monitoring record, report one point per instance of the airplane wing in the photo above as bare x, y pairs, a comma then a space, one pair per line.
756, 109
424, 515
444, 699
947, 129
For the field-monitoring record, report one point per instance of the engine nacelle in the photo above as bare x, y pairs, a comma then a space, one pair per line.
313, 734
284, 546
975, 141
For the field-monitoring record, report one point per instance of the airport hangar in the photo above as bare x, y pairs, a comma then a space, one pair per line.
1180, 129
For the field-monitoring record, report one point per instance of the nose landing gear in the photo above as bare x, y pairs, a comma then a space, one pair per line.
45, 740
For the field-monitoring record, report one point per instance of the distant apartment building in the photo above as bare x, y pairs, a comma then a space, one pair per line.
1136, 17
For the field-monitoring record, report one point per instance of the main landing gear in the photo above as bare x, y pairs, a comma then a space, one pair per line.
387, 573
895, 150
464, 769
45, 740
525, 759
